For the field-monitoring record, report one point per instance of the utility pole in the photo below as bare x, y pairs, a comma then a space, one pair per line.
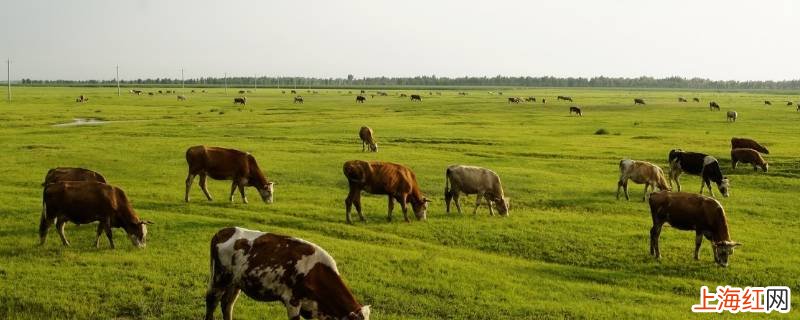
8, 77
182, 86
226, 83
118, 92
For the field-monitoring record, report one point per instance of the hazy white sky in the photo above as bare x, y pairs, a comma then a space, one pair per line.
84, 39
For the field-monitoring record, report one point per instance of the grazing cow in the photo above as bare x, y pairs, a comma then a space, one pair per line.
462, 93
60, 174
514, 100
576, 110
273, 267
638, 101
137, 92
767, 102
203, 91
240, 100
640, 172
748, 143
566, 98
474, 180
500, 93
293, 92
530, 99
283, 91
360, 99
83, 202
705, 166
160, 92
696, 99
169, 91
82, 98
150, 94
713, 105
396, 181
789, 103
298, 99
682, 99
242, 92
544, 101
226, 164
193, 91
746, 155
731, 116
181, 98
403, 95
689, 211
367, 139
362, 91
416, 97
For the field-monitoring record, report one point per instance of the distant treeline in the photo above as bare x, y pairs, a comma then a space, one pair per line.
433, 81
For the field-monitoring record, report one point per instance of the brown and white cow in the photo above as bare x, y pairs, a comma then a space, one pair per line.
226, 164
298, 99
689, 211
83, 202
367, 139
746, 155
640, 172
272, 267
469, 180
396, 181
71, 174
737, 143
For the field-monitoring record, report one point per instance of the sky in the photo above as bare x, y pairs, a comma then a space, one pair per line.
86, 39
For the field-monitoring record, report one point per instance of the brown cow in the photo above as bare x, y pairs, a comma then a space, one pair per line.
226, 164
746, 155
360, 99
83, 202
396, 181
690, 211
640, 172
576, 110
416, 97
638, 101
737, 143
682, 99
71, 174
272, 267
367, 139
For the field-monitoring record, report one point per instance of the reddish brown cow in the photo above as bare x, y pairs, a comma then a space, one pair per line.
690, 211
272, 267
83, 202
746, 155
737, 143
226, 164
396, 181
71, 174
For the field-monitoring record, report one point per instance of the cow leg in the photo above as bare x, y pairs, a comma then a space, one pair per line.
477, 203
213, 295
204, 186
363, 145
733, 163
242, 183
456, 196
619, 186
698, 239
644, 196
755, 168
107, 226
44, 225
489, 204
404, 204
100, 229
448, 196
233, 189
655, 233
189, 181
391, 207
60, 228
228, 300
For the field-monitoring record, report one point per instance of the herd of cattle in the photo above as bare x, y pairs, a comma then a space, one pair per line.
304, 277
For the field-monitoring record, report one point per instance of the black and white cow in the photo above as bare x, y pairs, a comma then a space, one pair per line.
272, 267
699, 164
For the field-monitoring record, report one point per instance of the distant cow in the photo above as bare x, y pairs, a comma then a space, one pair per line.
682, 99
362, 91
767, 102
478, 181
530, 99
273, 267
367, 139
242, 92
136, 92
416, 97
60, 174
403, 95
82, 98
226, 164
544, 100
789, 103
746, 155
150, 94
640, 172
732, 115
713, 105
283, 91
396, 181
83, 202
576, 110
566, 98
240, 100
360, 99
160, 92
169, 91
298, 99
639, 101
514, 100
705, 166
689, 211
181, 98
748, 143
294, 91
696, 99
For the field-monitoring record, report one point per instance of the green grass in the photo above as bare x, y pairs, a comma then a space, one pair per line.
567, 250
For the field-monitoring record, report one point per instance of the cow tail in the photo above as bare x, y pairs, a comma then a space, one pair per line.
447, 182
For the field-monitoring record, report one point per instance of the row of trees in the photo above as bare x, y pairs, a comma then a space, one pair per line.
425, 81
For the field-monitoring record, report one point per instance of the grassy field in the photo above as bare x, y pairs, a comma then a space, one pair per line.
568, 249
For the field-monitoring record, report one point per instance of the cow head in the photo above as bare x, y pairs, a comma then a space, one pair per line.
723, 250
374, 147
360, 314
266, 192
724, 185
138, 233
421, 208
502, 205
